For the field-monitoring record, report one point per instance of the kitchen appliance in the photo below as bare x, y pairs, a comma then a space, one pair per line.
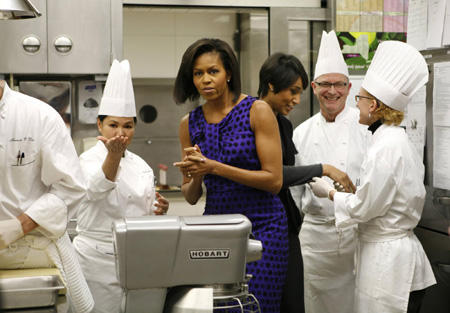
175, 264
57, 94
432, 230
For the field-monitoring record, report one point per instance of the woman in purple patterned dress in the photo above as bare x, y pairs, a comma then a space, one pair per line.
231, 143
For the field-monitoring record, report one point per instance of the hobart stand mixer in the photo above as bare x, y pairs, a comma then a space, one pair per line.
171, 264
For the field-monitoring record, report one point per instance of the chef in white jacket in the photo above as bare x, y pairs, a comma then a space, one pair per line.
119, 184
332, 136
41, 184
392, 270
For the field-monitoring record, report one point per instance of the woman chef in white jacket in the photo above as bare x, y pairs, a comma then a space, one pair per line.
119, 184
392, 270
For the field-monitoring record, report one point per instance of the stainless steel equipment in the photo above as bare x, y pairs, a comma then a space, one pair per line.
30, 292
57, 94
184, 264
433, 226
56, 43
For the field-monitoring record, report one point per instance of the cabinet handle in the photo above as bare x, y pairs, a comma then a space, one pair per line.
441, 200
63, 44
31, 44
443, 267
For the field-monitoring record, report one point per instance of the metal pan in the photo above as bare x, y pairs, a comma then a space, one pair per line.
28, 292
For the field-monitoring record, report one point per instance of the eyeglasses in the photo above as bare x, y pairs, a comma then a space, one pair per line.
327, 85
358, 98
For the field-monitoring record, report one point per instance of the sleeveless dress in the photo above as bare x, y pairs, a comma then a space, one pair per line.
232, 142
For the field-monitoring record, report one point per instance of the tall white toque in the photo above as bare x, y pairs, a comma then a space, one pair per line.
118, 96
397, 71
330, 58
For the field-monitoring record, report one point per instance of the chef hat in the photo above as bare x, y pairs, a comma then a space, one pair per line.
397, 71
330, 58
118, 96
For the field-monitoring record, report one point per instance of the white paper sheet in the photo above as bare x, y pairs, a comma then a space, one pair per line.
441, 94
417, 24
446, 35
436, 14
356, 81
416, 120
441, 157
441, 129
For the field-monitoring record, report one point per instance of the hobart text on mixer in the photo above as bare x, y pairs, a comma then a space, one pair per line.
210, 254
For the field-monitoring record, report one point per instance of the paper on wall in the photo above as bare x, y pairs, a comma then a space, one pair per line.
416, 120
446, 35
436, 14
441, 157
441, 129
356, 85
417, 24
441, 94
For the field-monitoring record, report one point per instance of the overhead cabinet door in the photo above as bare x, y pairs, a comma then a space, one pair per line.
79, 35
23, 43
71, 37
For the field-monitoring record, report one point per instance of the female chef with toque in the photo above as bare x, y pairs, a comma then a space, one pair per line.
119, 184
392, 270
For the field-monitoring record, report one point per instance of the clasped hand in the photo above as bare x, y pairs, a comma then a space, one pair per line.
342, 182
194, 164
320, 187
10, 231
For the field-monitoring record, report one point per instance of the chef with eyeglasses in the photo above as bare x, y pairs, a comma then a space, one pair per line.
332, 136
391, 267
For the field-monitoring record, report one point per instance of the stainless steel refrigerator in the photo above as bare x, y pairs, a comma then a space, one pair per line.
432, 230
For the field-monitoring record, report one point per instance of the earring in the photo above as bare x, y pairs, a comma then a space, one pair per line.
370, 115
271, 89
228, 80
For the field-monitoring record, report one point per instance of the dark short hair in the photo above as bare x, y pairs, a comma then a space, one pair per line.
281, 70
184, 88
102, 117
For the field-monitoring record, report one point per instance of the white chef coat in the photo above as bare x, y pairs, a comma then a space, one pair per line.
132, 194
46, 179
328, 253
387, 207
40, 175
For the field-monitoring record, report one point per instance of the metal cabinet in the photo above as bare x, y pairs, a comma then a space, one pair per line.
437, 248
18, 36
433, 225
71, 37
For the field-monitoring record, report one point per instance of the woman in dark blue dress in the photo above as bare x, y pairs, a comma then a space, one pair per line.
282, 79
231, 143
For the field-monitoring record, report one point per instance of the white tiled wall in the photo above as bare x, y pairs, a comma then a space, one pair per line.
155, 40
